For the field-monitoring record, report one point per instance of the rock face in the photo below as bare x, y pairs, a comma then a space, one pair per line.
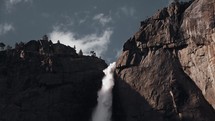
48, 82
166, 70
198, 58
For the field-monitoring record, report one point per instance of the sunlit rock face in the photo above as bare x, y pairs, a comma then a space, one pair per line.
166, 70
198, 58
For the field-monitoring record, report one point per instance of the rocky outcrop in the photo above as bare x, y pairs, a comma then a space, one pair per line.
165, 72
198, 58
48, 84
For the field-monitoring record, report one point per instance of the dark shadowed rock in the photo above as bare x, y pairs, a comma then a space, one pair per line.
166, 70
56, 85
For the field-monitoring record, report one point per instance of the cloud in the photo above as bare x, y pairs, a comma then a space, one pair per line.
128, 11
171, 1
17, 1
96, 42
11, 3
102, 19
4, 28
118, 53
81, 21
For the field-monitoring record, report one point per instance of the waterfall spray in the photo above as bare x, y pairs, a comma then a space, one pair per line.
103, 109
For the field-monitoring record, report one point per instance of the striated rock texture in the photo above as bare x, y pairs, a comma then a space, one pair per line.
42, 81
166, 70
198, 58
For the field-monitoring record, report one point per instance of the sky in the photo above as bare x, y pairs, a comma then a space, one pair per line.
91, 25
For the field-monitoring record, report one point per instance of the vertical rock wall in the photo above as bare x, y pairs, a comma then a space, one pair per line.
165, 67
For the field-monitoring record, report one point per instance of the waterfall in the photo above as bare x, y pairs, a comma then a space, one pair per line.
103, 110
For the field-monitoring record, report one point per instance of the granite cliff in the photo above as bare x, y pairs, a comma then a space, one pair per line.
165, 73
42, 81
166, 70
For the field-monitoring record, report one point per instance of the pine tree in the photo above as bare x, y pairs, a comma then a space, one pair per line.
93, 53
58, 41
2, 45
80, 53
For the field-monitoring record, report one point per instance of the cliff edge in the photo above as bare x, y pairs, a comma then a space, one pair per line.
166, 70
42, 81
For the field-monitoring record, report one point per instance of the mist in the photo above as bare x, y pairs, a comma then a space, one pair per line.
103, 111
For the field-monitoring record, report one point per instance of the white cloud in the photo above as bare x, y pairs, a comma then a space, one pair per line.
4, 28
17, 1
128, 11
96, 42
118, 53
81, 21
171, 1
10, 3
102, 19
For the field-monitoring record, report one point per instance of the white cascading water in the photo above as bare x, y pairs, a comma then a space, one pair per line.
103, 110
